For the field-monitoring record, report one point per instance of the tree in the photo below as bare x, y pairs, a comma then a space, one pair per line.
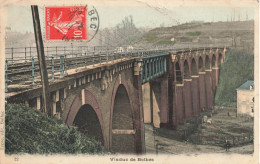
124, 33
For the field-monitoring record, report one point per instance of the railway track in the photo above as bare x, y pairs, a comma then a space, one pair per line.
21, 73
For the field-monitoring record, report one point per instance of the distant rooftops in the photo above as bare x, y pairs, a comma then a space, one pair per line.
248, 85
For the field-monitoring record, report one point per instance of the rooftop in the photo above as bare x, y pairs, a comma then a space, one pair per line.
246, 85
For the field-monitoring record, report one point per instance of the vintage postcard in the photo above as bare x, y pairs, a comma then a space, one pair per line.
142, 81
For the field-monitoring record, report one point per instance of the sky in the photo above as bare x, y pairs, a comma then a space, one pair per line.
20, 17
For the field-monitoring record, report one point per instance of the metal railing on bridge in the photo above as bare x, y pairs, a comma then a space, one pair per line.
25, 54
28, 72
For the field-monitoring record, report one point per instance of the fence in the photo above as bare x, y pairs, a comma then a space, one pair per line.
24, 54
28, 71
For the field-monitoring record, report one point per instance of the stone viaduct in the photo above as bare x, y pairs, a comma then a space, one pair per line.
112, 101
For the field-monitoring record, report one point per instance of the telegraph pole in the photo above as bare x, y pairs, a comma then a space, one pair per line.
41, 58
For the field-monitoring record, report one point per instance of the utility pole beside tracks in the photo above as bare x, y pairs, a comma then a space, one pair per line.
41, 58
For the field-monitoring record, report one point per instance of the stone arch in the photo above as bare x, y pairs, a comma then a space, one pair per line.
201, 68
120, 95
91, 104
186, 70
87, 122
220, 58
178, 73
207, 62
213, 61
194, 70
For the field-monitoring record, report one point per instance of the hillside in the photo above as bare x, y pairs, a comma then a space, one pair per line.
29, 131
204, 33
236, 69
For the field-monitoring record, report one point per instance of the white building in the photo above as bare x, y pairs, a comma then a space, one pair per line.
245, 99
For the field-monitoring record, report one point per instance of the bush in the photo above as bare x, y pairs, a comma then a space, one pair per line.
194, 33
29, 131
150, 37
236, 70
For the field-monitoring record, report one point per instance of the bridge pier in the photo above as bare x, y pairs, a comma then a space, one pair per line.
209, 92
155, 103
147, 103
138, 110
179, 103
188, 98
164, 108
172, 123
202, 89
159, 102
195, 95
214, 80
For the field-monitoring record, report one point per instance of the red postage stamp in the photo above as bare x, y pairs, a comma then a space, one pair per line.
65, 23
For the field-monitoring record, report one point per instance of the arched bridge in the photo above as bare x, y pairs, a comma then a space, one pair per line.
111, 101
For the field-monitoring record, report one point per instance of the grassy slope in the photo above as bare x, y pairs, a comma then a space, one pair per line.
220, 31
237, 69
29, 131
